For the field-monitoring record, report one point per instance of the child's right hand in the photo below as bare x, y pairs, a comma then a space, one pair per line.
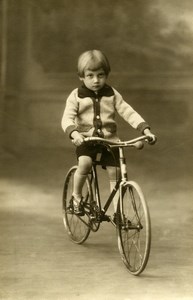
77, 138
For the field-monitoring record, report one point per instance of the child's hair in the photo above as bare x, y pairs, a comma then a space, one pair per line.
93, 60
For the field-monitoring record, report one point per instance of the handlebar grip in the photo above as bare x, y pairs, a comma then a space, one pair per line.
152, 140
138, 145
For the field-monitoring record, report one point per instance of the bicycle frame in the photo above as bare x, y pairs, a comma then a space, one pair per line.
119, 183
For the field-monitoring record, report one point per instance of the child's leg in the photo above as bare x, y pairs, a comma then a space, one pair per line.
114, 175
84, 166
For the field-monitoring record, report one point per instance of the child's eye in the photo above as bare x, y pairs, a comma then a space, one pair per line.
89, 76
101, 75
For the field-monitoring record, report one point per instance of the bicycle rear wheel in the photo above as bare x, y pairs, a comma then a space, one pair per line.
134, 228
77, 227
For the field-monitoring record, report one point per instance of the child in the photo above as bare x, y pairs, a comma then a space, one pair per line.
90, 111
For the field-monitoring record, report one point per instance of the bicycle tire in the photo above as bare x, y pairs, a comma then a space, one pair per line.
77, 227
134, 228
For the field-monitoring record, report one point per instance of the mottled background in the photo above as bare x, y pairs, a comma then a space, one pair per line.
149, 44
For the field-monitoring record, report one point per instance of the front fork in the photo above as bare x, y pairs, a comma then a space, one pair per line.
126, 223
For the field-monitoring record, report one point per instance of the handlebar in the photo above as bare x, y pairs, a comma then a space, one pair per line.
136, 142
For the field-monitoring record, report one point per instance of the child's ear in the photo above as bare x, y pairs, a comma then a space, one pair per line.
80, 78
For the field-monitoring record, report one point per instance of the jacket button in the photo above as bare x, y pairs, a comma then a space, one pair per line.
98, 117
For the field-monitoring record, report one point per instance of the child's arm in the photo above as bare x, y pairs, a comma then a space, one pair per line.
132, 117
128, 113
68, 120
70, 113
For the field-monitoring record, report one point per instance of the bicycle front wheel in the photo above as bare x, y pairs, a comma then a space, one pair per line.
76, 226
134, 228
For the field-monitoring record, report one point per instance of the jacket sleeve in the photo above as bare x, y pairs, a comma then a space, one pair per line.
129, 114
70, 112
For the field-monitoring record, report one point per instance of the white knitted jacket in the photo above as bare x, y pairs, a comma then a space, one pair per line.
92, 114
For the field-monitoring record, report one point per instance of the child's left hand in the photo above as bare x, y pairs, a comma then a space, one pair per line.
152, 138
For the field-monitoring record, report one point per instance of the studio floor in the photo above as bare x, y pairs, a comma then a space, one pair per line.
39, 262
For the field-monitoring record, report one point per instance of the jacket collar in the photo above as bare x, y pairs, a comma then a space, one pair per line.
84, 92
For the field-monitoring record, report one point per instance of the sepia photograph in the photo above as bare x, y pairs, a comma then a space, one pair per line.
96, 150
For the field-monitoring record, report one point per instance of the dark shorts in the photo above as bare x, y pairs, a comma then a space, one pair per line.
99, 154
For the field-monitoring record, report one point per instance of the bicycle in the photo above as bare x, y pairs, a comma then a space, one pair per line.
132, 218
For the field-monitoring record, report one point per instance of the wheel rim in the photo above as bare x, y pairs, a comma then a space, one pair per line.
134, 230
76, 226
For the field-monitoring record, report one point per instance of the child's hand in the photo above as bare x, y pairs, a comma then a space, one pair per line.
151, 137
78, 138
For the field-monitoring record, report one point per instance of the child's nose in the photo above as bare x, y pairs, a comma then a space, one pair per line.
96, 79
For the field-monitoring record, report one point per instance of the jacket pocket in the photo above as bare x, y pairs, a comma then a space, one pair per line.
111, 128
84, 128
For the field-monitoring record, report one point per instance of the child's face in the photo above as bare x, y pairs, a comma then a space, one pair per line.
94, 80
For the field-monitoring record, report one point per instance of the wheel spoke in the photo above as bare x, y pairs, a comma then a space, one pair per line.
134, 234
77, 227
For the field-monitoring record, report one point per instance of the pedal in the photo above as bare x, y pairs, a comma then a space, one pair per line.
105, 218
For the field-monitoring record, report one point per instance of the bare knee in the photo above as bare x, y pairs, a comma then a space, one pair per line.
84, 165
